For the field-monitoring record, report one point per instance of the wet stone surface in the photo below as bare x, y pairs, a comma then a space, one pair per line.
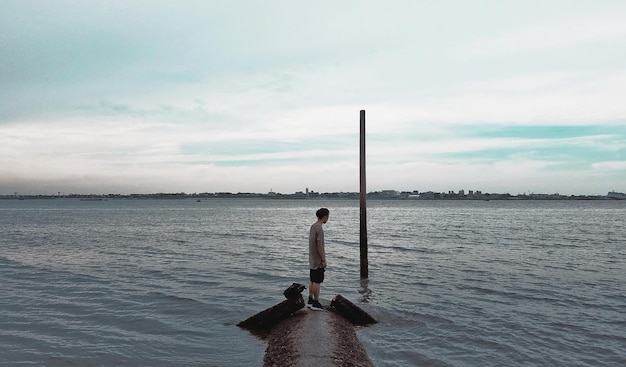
314, 338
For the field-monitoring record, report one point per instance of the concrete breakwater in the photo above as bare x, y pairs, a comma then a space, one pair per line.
302, 337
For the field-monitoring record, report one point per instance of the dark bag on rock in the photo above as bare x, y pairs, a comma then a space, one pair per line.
294, 291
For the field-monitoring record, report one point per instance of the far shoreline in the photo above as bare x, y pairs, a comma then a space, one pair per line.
375, 195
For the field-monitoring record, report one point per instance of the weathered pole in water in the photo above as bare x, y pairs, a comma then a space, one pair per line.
363, 246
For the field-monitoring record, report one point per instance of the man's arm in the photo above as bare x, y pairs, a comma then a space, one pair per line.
320, 250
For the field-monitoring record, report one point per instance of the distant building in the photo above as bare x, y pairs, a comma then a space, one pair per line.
426, 195
616, 195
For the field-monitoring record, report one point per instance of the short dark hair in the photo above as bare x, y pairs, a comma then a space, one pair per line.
322, 212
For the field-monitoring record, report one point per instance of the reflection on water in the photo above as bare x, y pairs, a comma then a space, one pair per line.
365, 291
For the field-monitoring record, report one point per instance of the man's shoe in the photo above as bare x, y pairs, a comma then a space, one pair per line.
310, 302
317, 306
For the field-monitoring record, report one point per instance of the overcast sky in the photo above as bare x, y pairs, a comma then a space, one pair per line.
252, 96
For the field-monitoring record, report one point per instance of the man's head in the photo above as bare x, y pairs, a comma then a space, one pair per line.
323, 213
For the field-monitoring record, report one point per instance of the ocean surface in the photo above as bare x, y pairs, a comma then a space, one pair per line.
453, 283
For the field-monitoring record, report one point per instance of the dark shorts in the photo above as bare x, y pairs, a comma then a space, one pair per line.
317, 275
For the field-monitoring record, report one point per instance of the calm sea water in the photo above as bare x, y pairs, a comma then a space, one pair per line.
164, 282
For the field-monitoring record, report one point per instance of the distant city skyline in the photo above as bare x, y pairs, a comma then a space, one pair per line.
247, 96
382, 194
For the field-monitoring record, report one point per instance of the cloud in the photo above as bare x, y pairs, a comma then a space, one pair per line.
572, 98
610, 166
549, 34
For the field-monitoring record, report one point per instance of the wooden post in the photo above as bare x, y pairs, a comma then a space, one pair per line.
363, 196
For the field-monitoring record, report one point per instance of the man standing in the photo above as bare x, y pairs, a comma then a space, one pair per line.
317, 258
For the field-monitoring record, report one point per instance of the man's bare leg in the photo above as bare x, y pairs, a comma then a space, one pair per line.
314, 290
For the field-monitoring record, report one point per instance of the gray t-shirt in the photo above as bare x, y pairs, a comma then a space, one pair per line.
315, 258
